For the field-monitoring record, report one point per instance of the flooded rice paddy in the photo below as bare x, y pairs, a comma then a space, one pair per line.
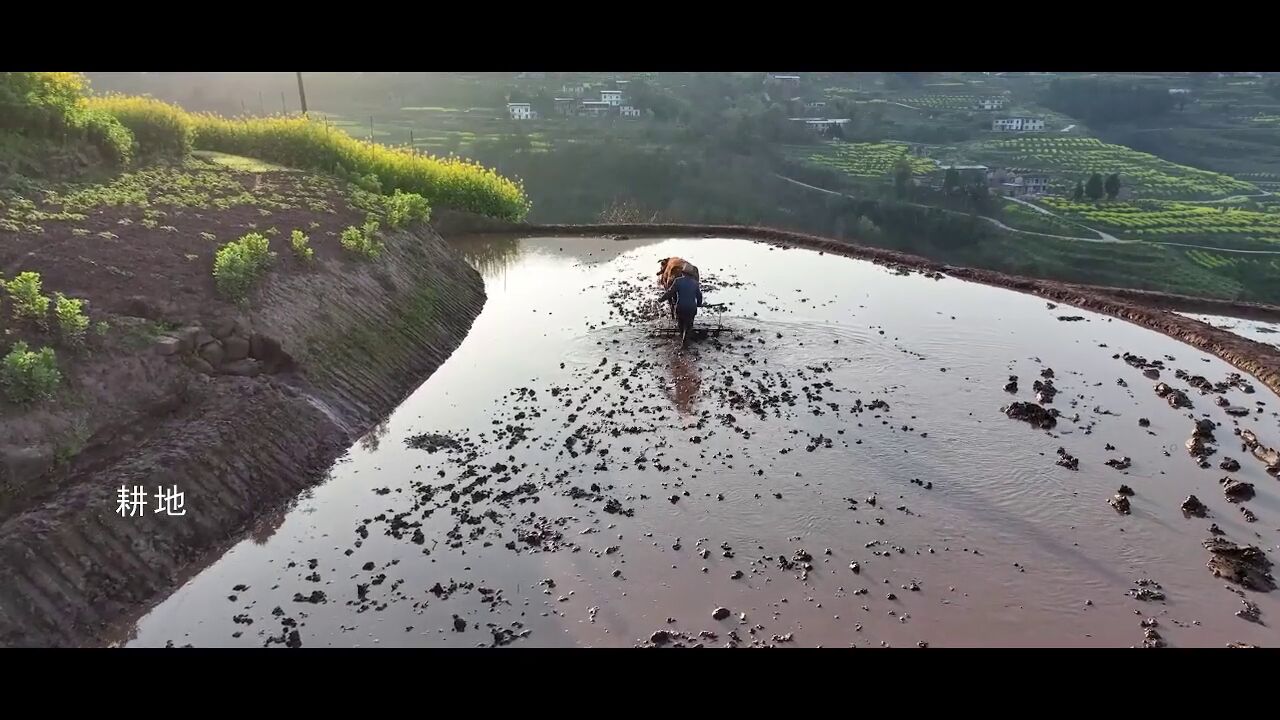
833, 468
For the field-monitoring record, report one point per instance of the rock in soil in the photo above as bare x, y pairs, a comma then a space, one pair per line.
1229, 464
720, 613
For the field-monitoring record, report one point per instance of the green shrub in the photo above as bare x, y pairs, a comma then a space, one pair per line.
363, 240
53, 105
72, 322
239, 263
28, 303
157, 126
403, 207
302, 143
28, 376
301, 245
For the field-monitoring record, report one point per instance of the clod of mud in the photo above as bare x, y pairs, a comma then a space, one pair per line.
431, 442
1120, 502
1143, 422
1067, 460
1176, 398
1147, 590
1120, 464
1250, 612
1247, 566
1236, 490
1229, 464
1037, 415
1193, 506
1125, 490
1269, 456
1045, 391
1152, 639
1197, 448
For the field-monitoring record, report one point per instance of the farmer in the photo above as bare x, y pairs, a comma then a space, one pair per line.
686, 297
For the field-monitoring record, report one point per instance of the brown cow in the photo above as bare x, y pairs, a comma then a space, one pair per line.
669, 269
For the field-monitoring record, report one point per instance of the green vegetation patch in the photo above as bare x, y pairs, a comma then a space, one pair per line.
1071, 158
1155, 220
27, 376
239, 263
867, 160
298, 142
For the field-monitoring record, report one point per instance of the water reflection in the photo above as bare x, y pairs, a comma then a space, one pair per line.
490, 255
267, 526
373, 438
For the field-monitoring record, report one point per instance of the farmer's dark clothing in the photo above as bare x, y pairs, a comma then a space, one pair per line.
687, 294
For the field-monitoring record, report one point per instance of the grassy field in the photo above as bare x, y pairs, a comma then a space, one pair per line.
864, 160
1070, 159
1156, 220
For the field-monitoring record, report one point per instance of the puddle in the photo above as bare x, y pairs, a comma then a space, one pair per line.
570, 422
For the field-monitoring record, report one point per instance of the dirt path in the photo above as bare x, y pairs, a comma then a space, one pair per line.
1043, 211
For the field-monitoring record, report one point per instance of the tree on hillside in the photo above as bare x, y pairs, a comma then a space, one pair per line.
1078, 195
1104, 100
835, 132
902, 172
1094, 187
951, 182
980, 196
1113, 186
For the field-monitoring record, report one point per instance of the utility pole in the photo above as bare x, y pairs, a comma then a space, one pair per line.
284, 110
302, 95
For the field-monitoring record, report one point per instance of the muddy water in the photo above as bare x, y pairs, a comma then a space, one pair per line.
651, 486
1258, 330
